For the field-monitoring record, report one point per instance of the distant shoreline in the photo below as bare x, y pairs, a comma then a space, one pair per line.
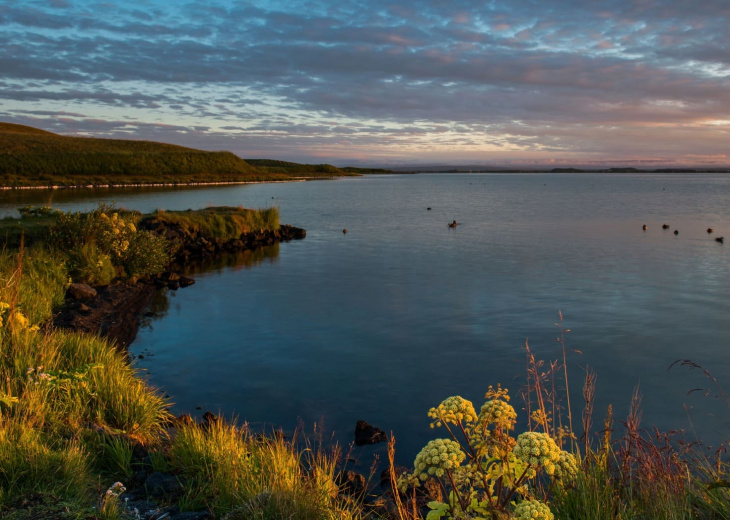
158, 184
564, 170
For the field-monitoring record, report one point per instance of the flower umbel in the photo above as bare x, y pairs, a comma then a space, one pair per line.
538, 450
452, 410
438, 456
533, 510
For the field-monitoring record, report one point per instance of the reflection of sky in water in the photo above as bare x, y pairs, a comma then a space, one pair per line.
388, 320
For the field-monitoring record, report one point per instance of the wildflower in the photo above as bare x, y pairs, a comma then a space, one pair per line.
498, 412
132, 228
438, 456
20, 320
567, 466
452, 410
116, 489
533, 510
538, 450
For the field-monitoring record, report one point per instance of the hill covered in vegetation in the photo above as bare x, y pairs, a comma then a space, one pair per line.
33, 157
274, 167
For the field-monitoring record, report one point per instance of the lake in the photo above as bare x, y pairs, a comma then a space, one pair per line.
401, 312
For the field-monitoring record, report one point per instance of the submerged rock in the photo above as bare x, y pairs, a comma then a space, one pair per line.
368, 434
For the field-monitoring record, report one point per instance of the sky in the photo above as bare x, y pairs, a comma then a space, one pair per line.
371, 82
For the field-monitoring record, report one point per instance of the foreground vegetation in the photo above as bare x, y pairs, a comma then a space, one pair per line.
33, 157
77, 422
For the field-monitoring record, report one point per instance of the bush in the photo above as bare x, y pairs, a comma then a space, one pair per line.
147, 253
90, 265
92, 238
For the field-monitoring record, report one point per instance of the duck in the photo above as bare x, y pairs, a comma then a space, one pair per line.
710, 230
453, 224
720, 239
644, 227
676, 232
344, 231
665, 226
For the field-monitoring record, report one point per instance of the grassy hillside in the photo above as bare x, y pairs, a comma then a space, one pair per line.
29, 156
271, 166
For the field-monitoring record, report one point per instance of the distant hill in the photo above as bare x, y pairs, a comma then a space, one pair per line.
29, 156
271, 166
34, 157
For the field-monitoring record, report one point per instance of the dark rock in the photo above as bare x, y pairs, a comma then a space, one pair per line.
209, 419
84, 308
368, 434
351, 483
186, 282
80, 291
139, 477
185, 419
114, 312
160, 484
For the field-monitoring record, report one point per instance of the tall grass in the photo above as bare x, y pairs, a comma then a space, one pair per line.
56, 387
222, 222
266, 478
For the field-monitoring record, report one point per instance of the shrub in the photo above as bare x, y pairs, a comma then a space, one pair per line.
89, 264
147, 253
87, 237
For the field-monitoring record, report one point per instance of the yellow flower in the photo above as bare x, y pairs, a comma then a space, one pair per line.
533, 510
19, 319
453, 410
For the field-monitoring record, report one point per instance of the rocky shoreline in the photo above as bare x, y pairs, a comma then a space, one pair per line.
113, 311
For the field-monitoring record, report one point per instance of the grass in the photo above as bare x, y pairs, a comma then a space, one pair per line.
33, 157
222, 222
231, 470
299, 170
59, 390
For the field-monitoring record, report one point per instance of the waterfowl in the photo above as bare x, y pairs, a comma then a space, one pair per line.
720, 239
644, 227
429, 209
344, 231
676, 232
710, 230
665, 226
453, 224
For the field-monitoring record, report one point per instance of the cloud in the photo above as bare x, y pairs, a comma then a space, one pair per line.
516, 75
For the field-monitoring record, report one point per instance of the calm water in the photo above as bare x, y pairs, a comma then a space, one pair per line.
388, 320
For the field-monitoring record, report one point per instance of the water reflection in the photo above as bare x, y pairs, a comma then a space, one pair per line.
237, 261
159, 307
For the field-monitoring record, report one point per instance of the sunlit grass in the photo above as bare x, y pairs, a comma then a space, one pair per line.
230, 469
223, 222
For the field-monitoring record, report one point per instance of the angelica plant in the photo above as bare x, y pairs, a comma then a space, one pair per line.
483, 470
